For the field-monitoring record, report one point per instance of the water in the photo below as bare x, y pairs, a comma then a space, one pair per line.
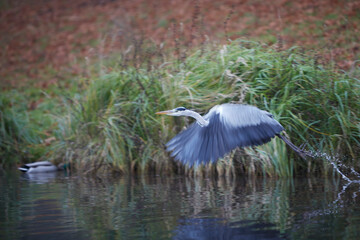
59, 206
348, 173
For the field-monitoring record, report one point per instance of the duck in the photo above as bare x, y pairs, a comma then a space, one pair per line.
41, 167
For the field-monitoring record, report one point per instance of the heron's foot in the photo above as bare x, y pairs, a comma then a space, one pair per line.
303, 152
302, 147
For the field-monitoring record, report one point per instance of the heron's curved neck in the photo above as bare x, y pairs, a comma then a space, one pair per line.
200, 120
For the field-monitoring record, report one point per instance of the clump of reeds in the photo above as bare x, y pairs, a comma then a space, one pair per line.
20, 134
113, 126
110, 124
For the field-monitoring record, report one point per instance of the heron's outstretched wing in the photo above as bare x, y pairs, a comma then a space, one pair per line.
230, 126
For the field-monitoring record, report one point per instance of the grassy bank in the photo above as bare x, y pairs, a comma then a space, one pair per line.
110, 124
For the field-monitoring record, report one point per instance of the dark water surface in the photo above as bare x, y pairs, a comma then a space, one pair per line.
58, 206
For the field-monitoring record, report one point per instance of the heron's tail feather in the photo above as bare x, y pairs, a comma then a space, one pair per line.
303, 153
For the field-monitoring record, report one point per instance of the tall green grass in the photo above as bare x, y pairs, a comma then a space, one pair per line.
19, 137
112, 126
27, 124
109, 124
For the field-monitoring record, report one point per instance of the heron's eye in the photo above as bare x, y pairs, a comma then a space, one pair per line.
180, 109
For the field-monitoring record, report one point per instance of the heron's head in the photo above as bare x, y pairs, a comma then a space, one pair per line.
179, 111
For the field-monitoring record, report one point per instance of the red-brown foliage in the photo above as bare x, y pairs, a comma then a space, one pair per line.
39, 37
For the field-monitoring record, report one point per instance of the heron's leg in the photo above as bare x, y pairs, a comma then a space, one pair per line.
299, 150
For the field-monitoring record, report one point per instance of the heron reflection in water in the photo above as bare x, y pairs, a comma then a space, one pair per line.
224, 128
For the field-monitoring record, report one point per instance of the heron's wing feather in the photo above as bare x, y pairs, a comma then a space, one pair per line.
197, 145
237, 115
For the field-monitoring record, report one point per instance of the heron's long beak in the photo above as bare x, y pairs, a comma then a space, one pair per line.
164, 112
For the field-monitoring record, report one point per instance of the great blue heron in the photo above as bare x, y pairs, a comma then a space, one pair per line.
224, 128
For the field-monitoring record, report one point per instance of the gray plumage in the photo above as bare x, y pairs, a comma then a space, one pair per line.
224, 128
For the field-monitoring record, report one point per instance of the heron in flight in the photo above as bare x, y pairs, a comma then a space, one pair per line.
224, 128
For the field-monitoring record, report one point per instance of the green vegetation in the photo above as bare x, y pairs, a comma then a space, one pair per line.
16, 134
110, 124
26, 130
